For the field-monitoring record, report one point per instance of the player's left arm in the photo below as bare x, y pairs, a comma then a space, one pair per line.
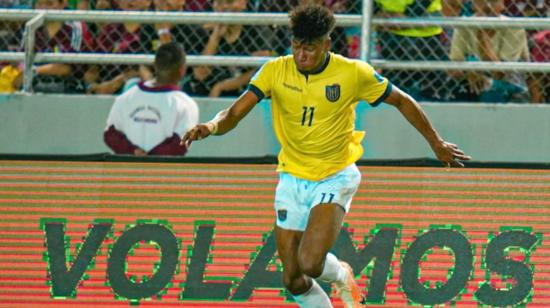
446, 152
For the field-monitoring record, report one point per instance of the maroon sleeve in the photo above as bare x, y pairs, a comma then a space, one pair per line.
170, 146
106, 39
88, 43
117, 141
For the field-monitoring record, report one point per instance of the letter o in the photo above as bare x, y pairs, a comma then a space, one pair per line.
462, 250
117, 259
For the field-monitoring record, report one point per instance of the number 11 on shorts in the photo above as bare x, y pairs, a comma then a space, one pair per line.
324, 195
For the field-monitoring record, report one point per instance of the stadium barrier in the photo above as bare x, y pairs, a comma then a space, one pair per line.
74, 124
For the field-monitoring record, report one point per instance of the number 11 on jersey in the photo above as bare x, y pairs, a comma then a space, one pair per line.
307, 116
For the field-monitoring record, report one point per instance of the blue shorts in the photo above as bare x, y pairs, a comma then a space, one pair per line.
294, 197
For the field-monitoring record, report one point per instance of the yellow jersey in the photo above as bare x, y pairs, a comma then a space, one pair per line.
314, 114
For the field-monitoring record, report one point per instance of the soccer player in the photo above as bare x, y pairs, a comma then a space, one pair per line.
150, 118
314, 94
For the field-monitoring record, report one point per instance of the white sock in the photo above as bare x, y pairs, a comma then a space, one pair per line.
333, 271
314, 297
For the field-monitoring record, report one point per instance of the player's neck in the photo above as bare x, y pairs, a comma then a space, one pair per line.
160, 83
319, 68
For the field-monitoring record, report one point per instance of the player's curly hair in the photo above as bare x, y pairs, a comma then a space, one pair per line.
311, 21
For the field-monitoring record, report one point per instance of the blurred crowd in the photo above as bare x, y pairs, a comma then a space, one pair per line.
390, 43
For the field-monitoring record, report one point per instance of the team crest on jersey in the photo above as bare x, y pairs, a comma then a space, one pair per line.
281, 214
332, 92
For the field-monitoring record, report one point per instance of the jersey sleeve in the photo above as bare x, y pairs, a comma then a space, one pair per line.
261, 82
372, 87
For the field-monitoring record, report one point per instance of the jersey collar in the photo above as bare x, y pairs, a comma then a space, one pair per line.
146, 87
321, 68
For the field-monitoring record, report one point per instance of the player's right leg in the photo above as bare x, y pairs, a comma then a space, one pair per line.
292, 217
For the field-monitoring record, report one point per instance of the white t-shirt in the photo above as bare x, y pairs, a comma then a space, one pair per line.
148, 115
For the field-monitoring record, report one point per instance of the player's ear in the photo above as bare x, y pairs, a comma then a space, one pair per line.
328, 43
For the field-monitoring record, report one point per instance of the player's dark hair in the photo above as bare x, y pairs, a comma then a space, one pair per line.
311, 21
169, 58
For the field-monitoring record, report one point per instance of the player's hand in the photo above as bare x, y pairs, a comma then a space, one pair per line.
450, 154
200, 131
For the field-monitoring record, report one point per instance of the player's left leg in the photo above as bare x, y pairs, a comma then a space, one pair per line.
314, 259
332, 197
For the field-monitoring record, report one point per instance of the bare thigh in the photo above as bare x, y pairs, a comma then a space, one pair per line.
323, 227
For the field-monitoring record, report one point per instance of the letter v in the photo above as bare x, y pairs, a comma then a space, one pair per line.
64, 281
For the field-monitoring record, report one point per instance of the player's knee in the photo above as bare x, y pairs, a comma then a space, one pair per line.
295, 284
310, 264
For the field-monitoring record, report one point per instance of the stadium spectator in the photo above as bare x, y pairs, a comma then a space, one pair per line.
150, 119
508, 44
10, 40
526, 8
198, 5
540, 52
58, 36
513, 8
10, 31
455, 8
412, 44
192, 37
124, 38
103, 5
16, 4
83, 5
236, 40
99, 5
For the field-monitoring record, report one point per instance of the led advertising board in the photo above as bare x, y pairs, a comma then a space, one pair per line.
89, 234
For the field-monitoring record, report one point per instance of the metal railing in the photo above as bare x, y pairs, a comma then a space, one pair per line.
364, 21
30, 29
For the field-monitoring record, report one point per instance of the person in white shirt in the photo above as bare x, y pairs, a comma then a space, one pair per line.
150, 118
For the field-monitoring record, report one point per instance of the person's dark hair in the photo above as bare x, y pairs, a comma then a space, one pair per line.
311, 21
169, 58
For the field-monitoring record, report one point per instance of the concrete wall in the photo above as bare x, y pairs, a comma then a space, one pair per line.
59, 124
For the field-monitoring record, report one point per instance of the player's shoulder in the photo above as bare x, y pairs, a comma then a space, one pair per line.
345, 61
184, 97
184, 101
128, 94
280, 61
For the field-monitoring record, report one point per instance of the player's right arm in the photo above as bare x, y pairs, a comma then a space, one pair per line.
225, 120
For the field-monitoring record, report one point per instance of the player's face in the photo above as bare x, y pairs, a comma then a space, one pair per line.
310, 55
